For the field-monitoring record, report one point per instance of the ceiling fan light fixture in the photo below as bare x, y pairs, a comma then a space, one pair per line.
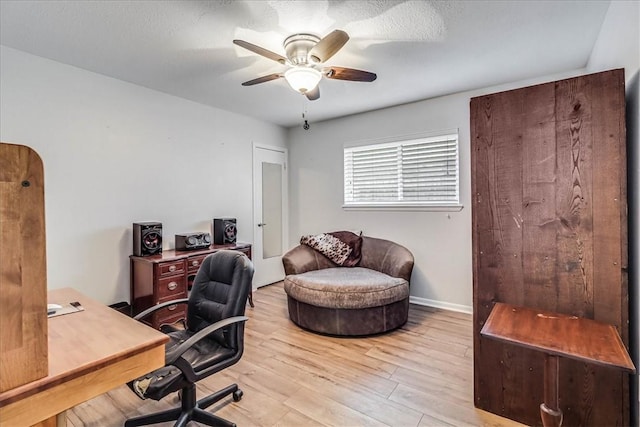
303, 79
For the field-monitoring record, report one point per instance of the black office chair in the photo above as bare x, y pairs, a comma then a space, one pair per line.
212, 340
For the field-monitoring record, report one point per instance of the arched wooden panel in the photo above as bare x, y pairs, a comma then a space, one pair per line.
23, 273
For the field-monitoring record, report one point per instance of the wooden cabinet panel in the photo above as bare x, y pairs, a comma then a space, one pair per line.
167, 276
549, 232
23, 281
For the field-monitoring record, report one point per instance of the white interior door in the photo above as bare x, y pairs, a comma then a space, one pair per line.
270, 204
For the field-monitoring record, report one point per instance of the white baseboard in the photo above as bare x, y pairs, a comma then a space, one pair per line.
440, 304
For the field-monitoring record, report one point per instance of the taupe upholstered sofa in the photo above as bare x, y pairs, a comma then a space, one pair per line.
370, 298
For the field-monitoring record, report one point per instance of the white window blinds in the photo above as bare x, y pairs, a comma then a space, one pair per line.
420, 171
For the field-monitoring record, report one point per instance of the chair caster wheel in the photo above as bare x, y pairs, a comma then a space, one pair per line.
237, 395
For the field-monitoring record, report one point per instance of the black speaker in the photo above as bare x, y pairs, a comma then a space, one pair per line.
191, 241
147, 238
224, 231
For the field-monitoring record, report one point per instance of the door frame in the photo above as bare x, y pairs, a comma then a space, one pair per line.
257, 191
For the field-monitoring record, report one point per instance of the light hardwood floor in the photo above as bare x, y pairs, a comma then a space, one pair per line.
419, 375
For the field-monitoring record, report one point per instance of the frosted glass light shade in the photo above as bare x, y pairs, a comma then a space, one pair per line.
303, 79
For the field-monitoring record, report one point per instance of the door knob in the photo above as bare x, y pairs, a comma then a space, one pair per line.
261, 224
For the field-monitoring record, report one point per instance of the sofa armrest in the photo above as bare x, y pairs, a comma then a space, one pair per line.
302, 259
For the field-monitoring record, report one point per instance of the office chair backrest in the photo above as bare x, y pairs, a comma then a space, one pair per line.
219, 291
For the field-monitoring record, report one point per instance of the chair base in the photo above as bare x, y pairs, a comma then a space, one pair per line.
190, 409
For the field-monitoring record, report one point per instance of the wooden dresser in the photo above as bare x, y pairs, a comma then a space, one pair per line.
167, 276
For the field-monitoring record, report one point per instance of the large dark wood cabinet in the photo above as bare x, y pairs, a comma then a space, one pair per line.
168, 276
550, 232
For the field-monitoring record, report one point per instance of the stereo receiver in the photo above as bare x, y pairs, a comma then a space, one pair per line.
191, 241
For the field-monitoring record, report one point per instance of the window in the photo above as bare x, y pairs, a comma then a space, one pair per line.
420, 172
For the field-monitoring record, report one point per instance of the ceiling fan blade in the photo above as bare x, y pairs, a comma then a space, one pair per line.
263, 79
342, 73
261, 51
328, 46
314, 94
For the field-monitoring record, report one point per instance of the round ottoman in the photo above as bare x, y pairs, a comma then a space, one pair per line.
347, 301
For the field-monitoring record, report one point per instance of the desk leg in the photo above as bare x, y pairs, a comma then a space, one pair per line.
550, 411
59, 420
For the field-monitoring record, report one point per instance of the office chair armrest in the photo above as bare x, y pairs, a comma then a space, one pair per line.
174, 354
148, 311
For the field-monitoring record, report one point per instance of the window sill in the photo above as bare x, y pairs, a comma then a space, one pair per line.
416, 207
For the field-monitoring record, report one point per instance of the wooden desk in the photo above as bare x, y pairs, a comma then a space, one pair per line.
90, 352
557, 335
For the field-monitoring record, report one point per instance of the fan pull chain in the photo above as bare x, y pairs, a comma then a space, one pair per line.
305, 125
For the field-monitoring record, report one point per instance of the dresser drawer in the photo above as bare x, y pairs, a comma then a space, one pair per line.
169, 315
194, 262
175, 267
173, 287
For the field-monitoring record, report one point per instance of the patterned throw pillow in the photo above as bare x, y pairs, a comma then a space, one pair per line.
341, 247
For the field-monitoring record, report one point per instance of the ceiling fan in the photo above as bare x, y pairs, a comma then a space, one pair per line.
305, 55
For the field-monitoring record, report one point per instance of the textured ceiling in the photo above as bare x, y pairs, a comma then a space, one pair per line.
419, 49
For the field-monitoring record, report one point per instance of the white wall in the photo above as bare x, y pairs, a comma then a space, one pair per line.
618, 46
440, 241
116, 153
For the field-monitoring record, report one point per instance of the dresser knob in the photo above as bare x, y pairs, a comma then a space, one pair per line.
172, 286
195, 263
172, 307
172, 268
